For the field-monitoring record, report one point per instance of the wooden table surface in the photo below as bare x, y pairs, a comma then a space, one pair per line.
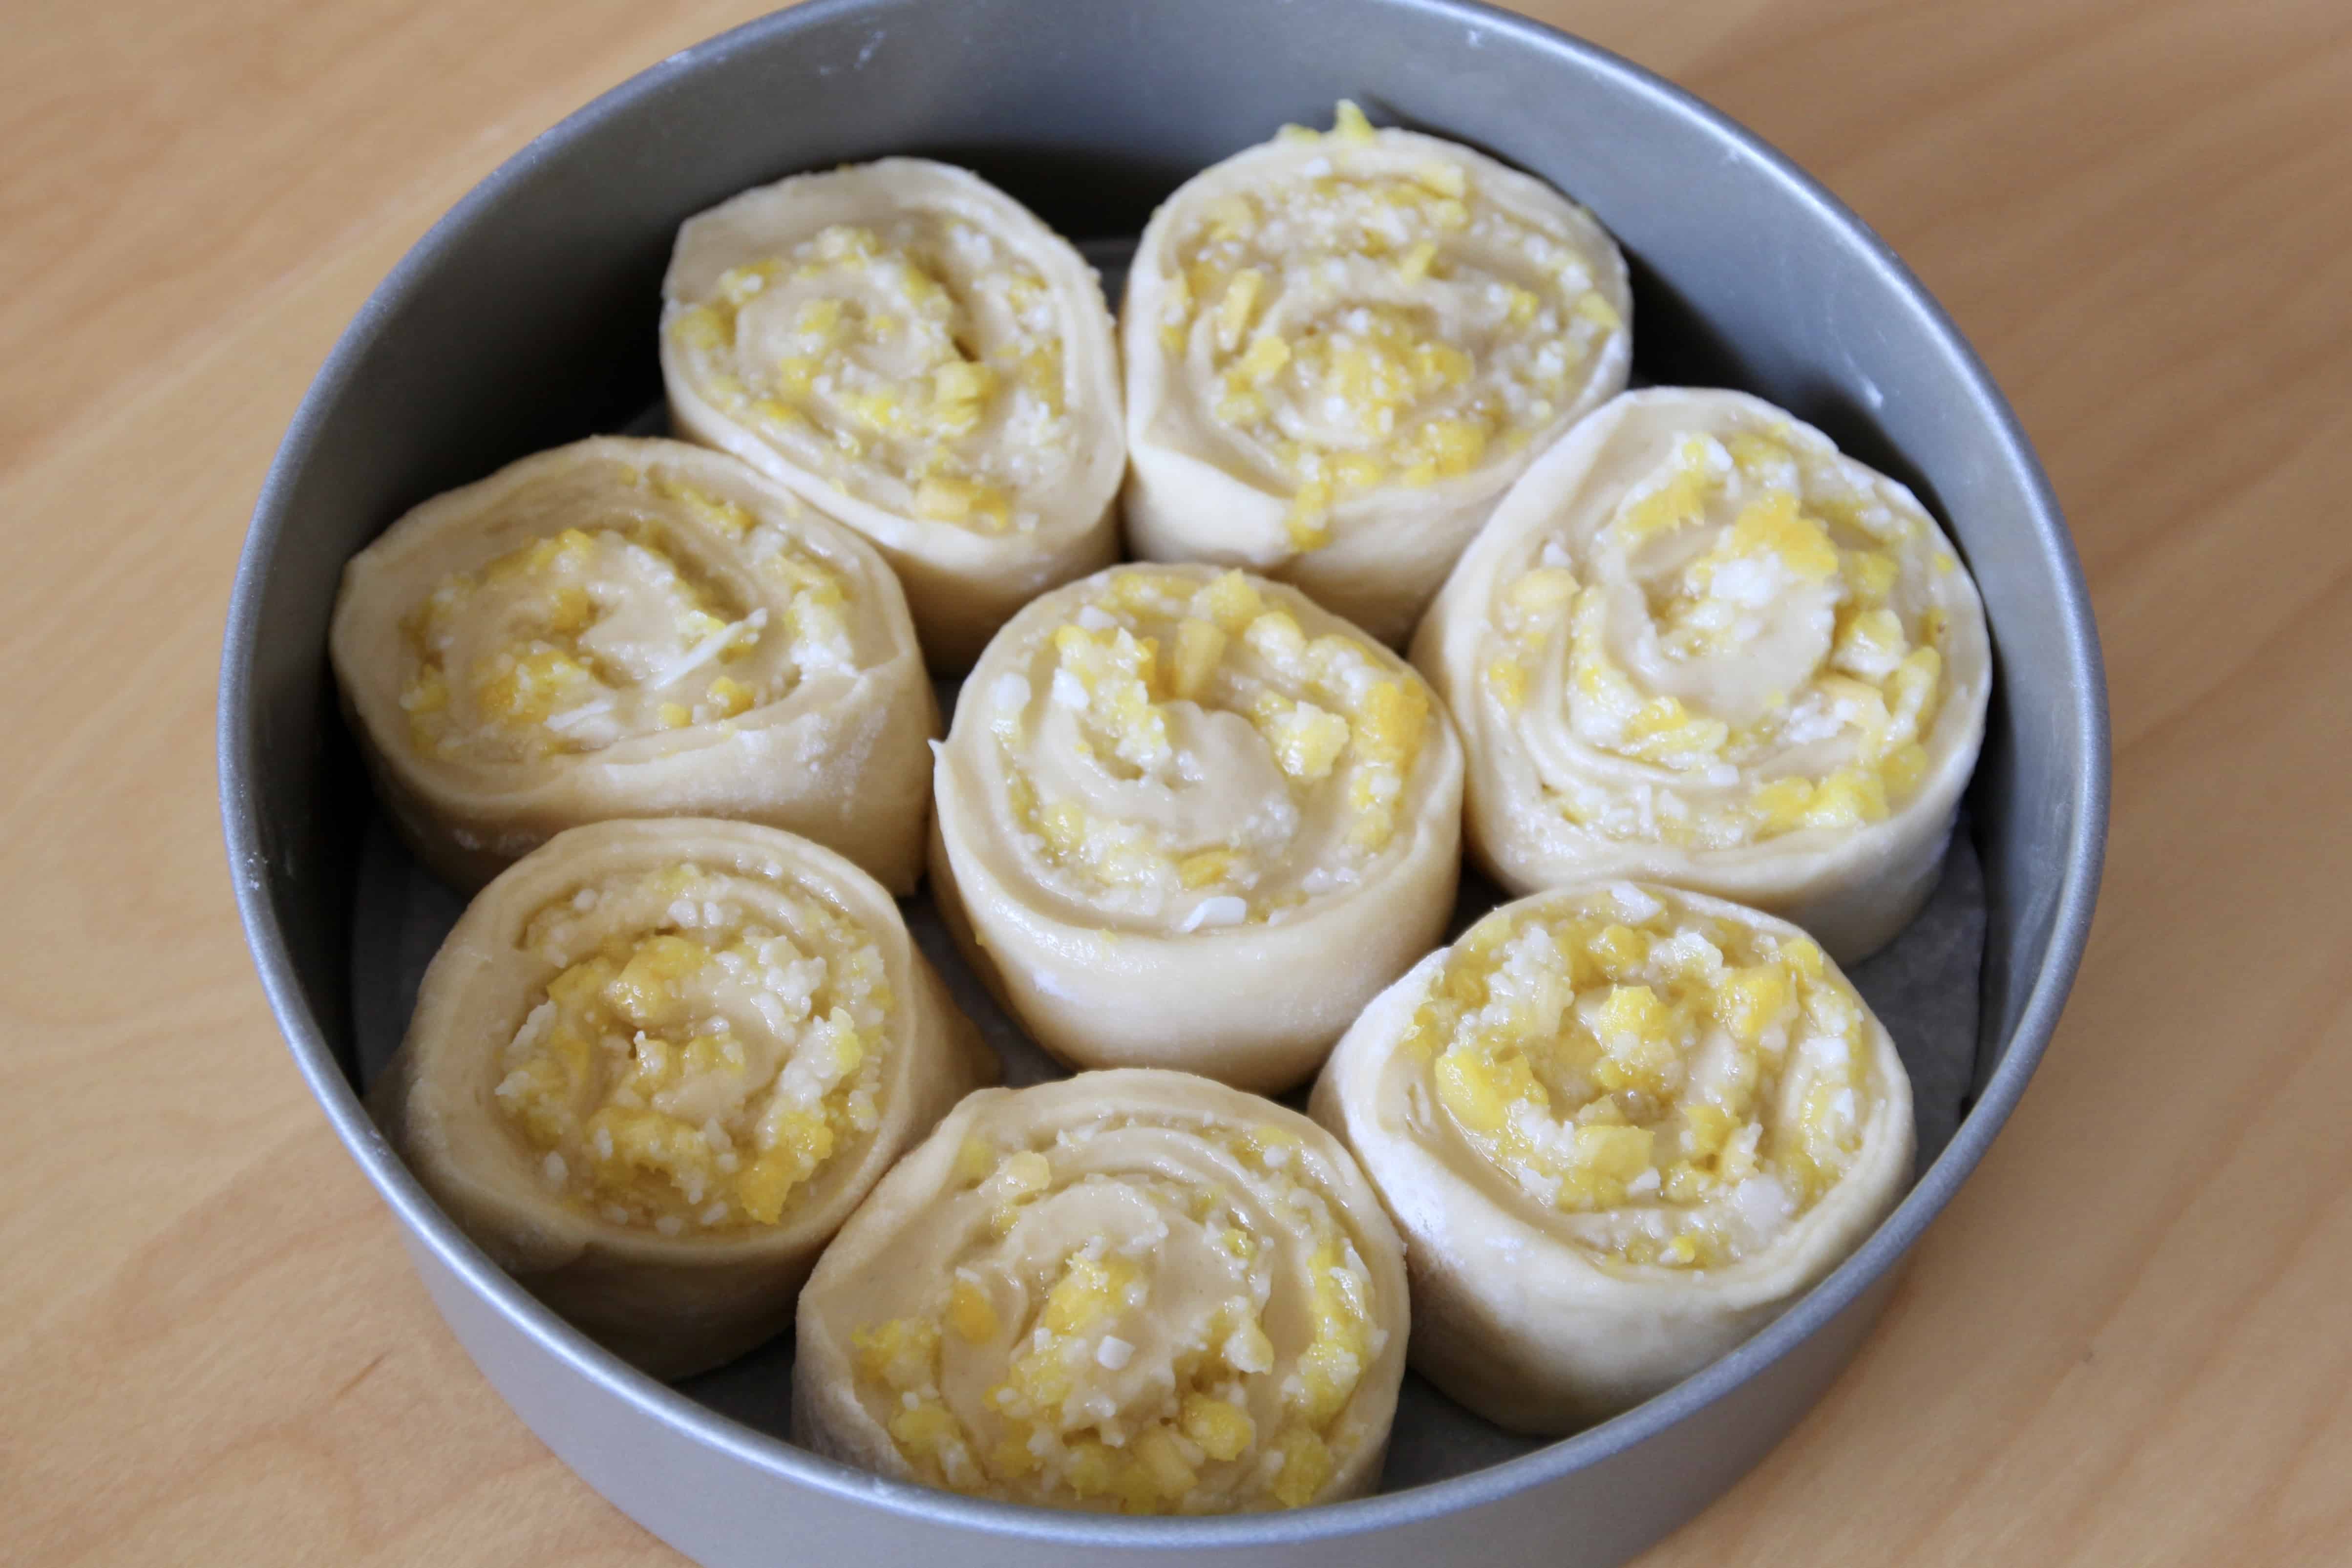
2128, 1342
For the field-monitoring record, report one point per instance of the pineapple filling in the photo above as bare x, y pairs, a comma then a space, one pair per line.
705, 1045
617, 629
1672, 1088
1369, 317
1170, 1332
918, 365
1740, 653
1184, 752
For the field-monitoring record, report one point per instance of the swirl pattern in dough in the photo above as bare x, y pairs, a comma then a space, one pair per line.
1621, 1127
632, 629
1188, 819
912, 350
1340, 350
655, 1066
1699, 645
1133, 1291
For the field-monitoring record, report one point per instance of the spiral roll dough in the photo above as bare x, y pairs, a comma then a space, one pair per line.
656, 1064
1133, 1291
1696, 644
1188, 819
1620, 1128
1342, 348
912, 350
632, 629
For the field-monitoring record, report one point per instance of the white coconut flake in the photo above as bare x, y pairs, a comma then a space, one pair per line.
534, 1029
1749, 581
1239, 1354
571, 718
1688, 951
706, 650
1224, 910
1812, 720
1635, 904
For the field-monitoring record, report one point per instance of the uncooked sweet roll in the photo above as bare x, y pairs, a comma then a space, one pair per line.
1621, 1127
1188, 819
632, 629
1133, 1291
655, 1066
1342, 348
1698, 644
911, 349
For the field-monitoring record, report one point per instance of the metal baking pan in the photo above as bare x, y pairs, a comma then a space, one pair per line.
526, 317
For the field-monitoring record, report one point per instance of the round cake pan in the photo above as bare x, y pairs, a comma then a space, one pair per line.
526, 317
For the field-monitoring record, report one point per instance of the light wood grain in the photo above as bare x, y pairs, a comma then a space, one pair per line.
2128, 1342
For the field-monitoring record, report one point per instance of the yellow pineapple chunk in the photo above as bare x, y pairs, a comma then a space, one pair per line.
1223, 1430
1305, 1467
971, 1314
